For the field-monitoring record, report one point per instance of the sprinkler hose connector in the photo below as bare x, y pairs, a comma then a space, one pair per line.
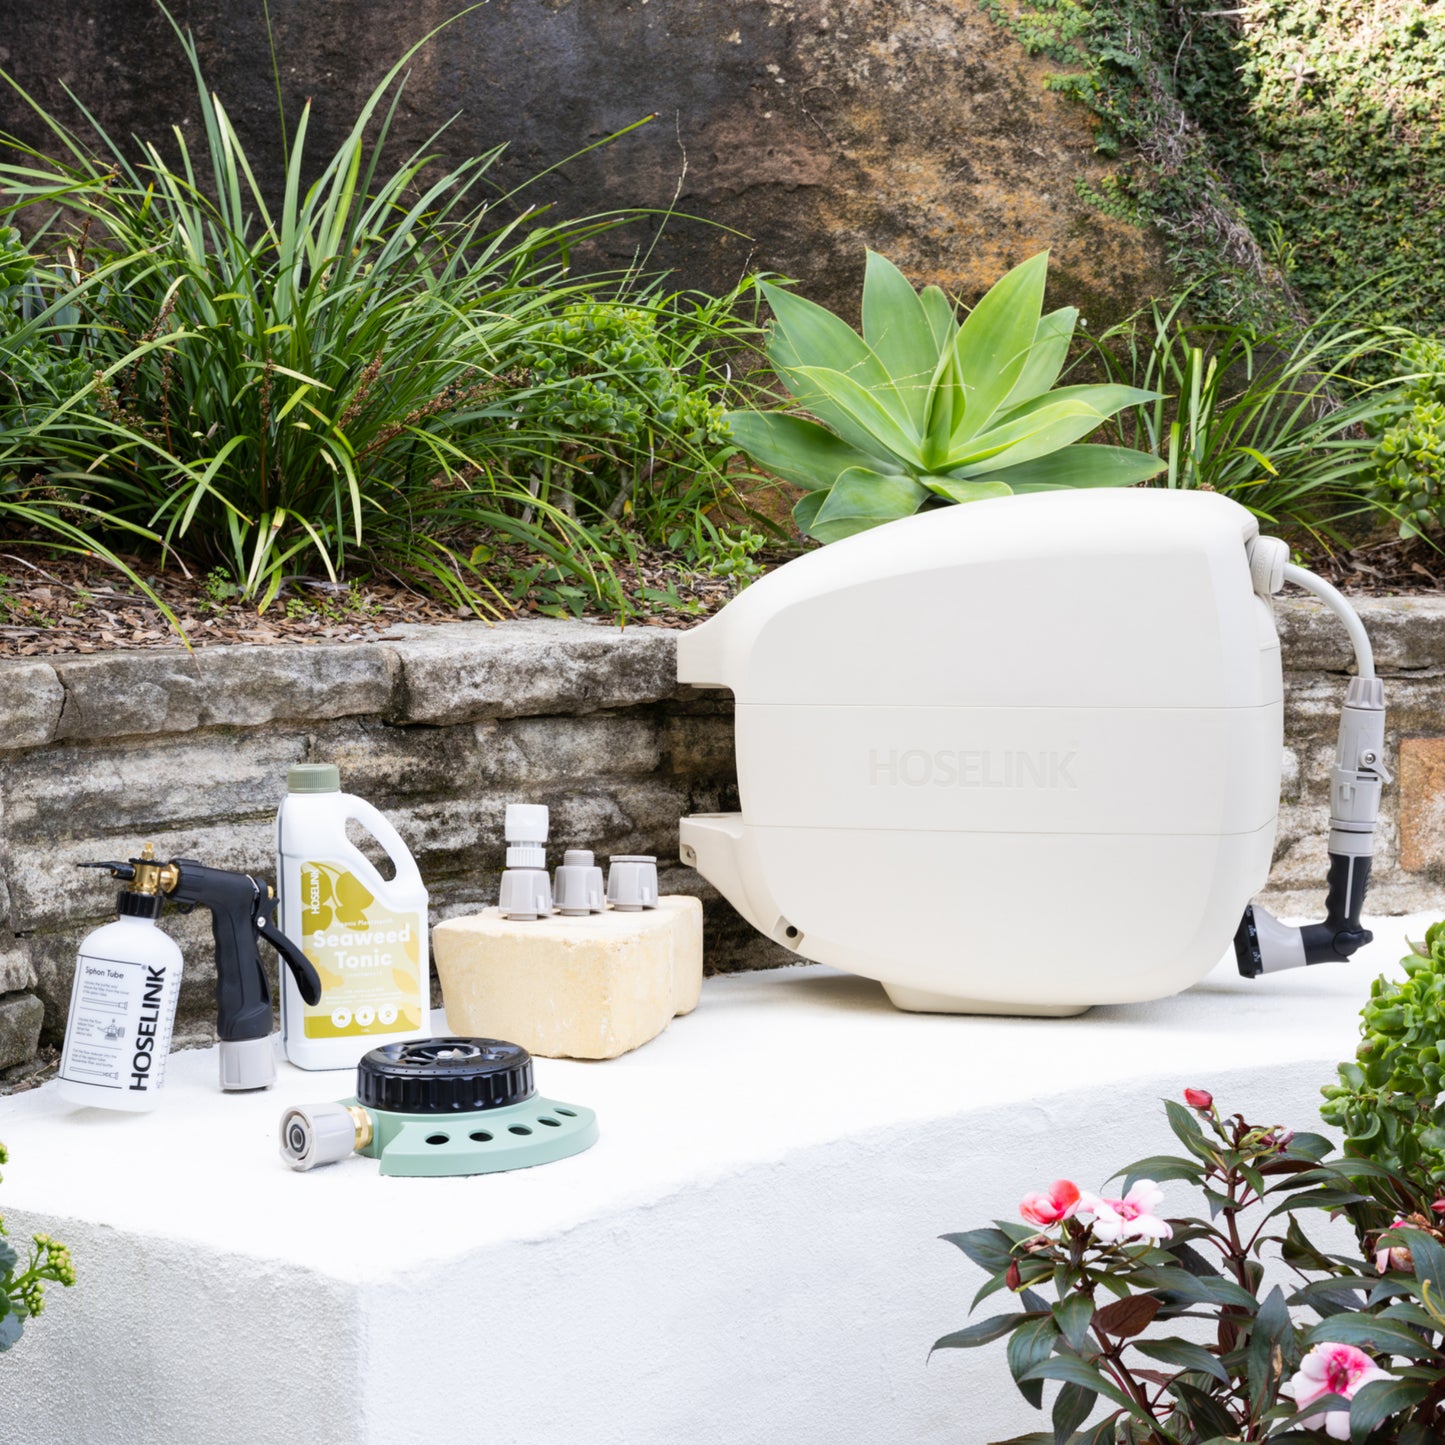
323, 1134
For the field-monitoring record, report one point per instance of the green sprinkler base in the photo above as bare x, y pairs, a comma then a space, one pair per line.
431, 1146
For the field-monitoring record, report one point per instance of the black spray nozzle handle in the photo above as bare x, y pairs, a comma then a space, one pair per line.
241, 912
308, 981
243, 993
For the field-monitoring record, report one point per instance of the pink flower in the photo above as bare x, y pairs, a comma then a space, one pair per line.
1394, 1256
1200, 1099
1052, 1207
1117, 1221
1333, 1370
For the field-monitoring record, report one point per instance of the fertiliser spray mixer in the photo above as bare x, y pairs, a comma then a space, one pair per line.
433, 1107
1024, 755
128, 976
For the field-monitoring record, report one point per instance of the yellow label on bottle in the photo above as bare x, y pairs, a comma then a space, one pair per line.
368, 957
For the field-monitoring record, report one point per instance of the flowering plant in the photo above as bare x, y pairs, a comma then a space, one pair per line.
1251, 1364
22, 1290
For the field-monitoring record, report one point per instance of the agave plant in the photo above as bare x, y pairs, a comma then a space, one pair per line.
924, 408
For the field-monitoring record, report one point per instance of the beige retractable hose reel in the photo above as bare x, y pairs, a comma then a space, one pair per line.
1023, 756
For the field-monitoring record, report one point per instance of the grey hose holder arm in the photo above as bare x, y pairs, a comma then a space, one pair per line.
1263, 944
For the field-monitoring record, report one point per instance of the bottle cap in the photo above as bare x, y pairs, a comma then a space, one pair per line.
138, 905
313, 778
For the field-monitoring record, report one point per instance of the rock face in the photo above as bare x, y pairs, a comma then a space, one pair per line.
805, 129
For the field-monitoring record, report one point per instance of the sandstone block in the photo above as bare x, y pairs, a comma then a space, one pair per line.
135, 786
1422, 804
16, 969
1406, 633
469, 671
115, 694
581, 988
20, 1016
31, 698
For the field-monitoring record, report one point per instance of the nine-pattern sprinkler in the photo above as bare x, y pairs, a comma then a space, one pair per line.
445, 1106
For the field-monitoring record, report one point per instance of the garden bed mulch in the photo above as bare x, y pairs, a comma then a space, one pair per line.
55, 605
1389, 568
64, 605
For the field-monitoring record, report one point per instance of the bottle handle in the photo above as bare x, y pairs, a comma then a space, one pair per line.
376, 823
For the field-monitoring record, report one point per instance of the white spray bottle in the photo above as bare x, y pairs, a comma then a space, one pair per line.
365, 935
123, 1003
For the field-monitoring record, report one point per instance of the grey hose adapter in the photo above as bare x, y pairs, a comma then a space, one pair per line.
1263, 944
526, 890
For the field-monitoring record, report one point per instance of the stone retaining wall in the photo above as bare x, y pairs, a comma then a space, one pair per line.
441, 726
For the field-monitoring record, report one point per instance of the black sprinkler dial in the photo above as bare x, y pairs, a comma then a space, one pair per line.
444, 1076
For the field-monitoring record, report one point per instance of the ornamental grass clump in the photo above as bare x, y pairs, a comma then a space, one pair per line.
925, 408
1228, 1324
369, 371
1274, 417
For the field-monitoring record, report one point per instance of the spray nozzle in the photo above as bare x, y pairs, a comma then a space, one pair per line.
242, 911
144, 874
1262, 943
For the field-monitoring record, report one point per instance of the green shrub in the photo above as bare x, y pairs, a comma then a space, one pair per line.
1387, 1101
1409, 479
623, 398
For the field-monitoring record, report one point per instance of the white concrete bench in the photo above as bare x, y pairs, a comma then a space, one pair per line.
749, 1254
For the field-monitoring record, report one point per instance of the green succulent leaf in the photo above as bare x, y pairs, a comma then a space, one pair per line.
945, 409
1106, 398
798, 450
805, 511
962, 490
789, 360
1025, 438
1046, 356
993, 343
941, 319
818, 338
876, 411
1081, 465
896, 328
861, 499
